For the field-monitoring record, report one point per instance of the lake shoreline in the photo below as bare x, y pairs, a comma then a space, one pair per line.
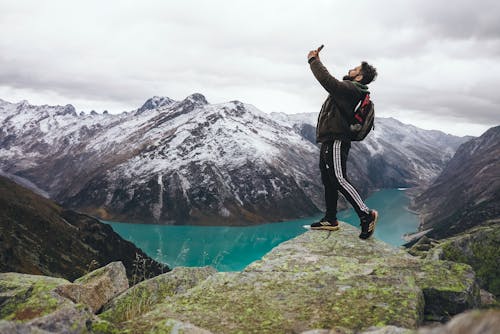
232, 248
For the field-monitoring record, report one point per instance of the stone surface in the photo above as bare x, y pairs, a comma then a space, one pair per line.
70, 319
318, 282
472, 322
12, 327
449, 288
97, 287
336, 273
389, 330
487, 299
24, 297
478, 247
32, 306
144, 296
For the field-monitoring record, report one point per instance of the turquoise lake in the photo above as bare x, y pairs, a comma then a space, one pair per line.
233, 248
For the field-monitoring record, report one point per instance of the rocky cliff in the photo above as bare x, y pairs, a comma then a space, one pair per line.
478, 246
467, 192
37, 236
318, 281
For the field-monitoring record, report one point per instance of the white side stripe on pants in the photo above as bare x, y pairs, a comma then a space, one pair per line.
337, 164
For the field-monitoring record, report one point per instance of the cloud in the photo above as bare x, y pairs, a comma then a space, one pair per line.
431, 57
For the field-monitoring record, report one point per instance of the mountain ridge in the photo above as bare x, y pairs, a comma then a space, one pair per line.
38, 236
193, 162
467, 192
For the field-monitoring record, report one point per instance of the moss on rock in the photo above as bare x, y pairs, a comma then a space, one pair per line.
480, 248
317, 280
336, 273
449, 288
142, 297
24, 297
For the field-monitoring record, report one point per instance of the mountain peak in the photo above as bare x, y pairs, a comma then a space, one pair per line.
154, 103
23, 104
197, 98
67, 110
192, 102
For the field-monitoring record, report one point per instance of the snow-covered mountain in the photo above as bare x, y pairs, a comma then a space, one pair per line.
177, 162
393, 155
172, 161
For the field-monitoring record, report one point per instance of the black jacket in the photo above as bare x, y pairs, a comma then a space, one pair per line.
338, 108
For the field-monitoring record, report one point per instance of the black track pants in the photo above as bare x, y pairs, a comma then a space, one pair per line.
332, 164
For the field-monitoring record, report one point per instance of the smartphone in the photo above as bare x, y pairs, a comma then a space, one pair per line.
321, 47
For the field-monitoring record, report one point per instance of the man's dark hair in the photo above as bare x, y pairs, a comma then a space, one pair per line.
369, 73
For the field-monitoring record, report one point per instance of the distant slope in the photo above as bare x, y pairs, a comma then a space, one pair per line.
467, 192
37, 236
393, 155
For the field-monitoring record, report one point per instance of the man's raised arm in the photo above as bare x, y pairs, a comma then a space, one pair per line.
326, 80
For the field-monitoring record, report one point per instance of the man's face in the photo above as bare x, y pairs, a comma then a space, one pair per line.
352, 74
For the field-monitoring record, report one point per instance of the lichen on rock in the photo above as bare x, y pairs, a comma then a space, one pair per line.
480, 248
97, 287
317, 281
142, 297
24, 297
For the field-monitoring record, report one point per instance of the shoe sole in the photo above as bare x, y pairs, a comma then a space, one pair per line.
327, 228
374, 225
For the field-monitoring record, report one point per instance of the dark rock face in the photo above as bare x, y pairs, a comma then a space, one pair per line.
467, 192
155, 102
68, 110
37, 236
254, 194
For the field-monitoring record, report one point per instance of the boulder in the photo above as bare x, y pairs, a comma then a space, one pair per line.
471, 322
321, 282
32, 306
373, 330
24, 297
480, 248
488, 299
449, 288
175, 326
97, 287
144, 296
11, 327
317, 280
70, 319
389, 330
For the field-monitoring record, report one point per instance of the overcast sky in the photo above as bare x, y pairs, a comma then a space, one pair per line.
438, 61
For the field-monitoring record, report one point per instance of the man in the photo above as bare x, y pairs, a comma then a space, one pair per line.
333, 132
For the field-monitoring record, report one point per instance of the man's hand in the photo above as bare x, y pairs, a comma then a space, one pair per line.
314, 53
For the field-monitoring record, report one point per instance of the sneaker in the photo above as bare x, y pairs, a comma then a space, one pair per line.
368, 224
324, 224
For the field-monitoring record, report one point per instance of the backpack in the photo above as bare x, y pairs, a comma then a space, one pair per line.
363, 120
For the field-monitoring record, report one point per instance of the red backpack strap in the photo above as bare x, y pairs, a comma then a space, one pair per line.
366, 100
